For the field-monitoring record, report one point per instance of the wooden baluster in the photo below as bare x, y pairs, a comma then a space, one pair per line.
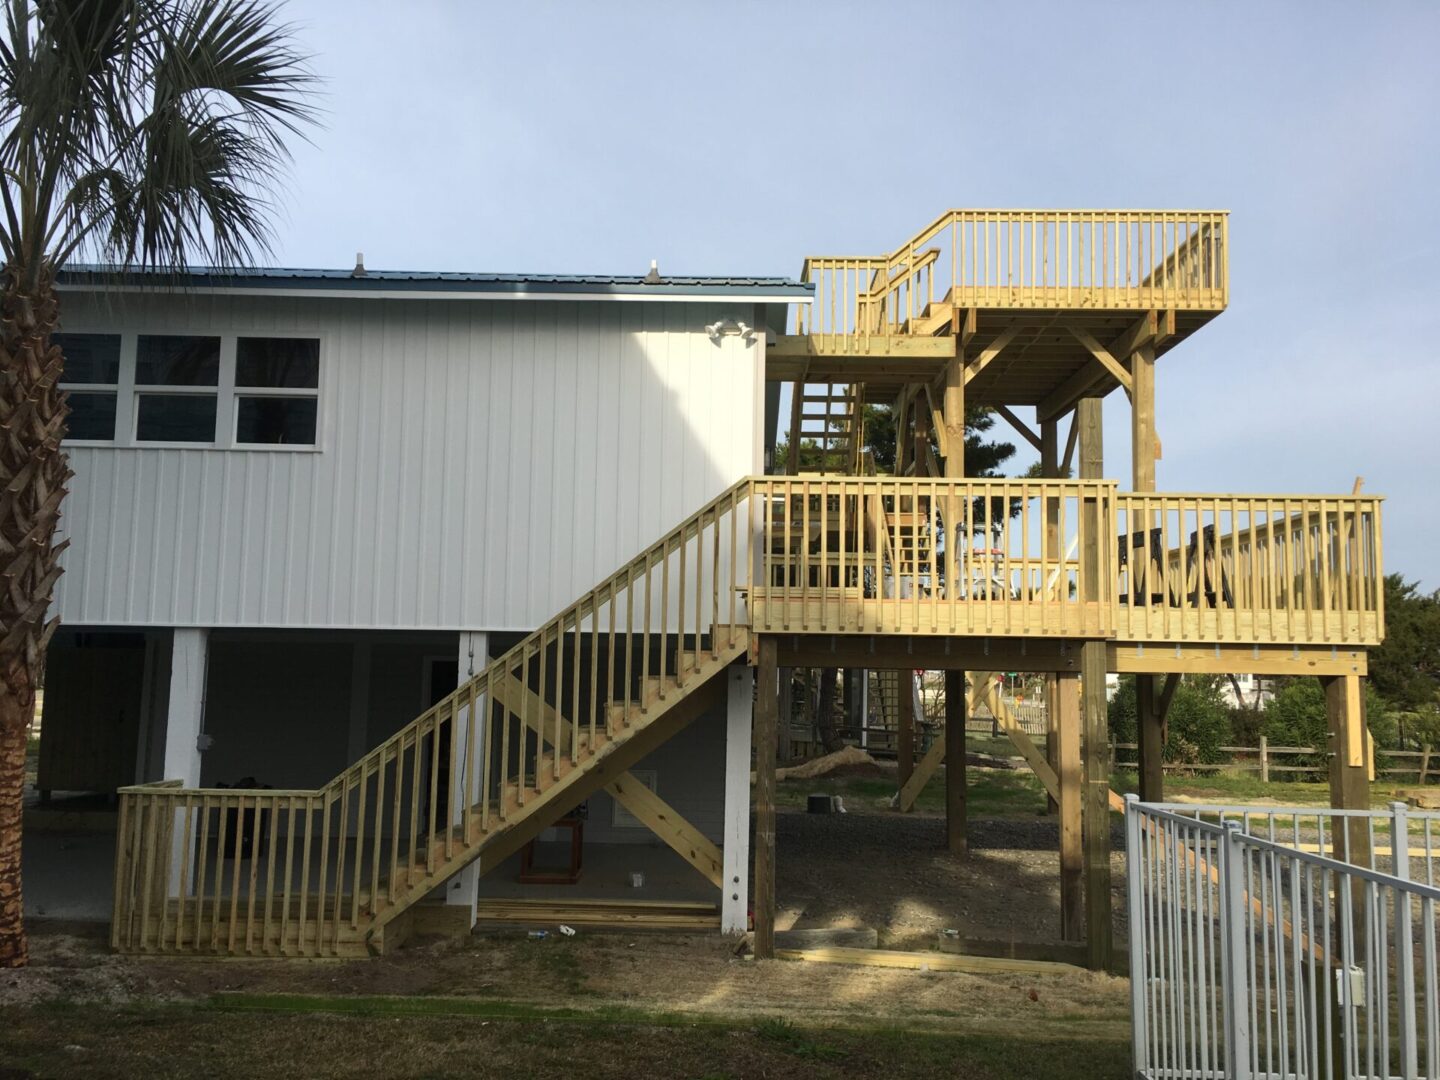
504, 752
306, 857
359, 847
664, 618
680, 656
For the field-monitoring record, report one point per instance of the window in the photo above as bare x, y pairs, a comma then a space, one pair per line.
91, 374
201, 390
177, 381
277, 390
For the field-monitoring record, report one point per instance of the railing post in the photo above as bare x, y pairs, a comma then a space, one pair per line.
1404, 940
1139, 957
1264, 760
1234, 984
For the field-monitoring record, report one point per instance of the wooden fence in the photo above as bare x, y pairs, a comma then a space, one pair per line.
1422, 764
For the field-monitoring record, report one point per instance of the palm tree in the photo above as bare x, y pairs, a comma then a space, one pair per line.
147, 134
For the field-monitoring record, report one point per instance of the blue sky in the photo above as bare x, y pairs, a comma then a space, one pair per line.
737, 138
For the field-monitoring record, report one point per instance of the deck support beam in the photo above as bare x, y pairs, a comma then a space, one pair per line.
955, 813
766, 723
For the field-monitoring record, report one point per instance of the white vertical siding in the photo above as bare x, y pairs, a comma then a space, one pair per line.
482, 464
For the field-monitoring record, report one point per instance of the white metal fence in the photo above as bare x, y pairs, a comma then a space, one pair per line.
1295, 943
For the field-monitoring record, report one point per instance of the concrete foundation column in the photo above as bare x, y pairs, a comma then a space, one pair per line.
735, 848
467, 753
184, 727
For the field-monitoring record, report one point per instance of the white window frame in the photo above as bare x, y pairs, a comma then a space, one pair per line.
127, 393
237, 391
116, 388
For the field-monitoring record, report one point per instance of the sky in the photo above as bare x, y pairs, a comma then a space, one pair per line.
737, 138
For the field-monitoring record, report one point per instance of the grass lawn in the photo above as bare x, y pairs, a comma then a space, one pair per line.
999, 793
991, 793
258, 1036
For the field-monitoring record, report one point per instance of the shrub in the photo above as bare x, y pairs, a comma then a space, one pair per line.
1297, 718
1197, 726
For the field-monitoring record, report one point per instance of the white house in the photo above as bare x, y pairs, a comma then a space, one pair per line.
306, 502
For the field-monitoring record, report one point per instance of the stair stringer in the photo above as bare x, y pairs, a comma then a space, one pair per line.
649, 728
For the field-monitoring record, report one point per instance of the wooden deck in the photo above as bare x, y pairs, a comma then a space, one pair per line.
1043, 287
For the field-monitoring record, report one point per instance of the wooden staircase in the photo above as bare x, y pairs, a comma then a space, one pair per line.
569, 710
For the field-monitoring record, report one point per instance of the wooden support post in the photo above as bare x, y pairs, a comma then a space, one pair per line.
1264, 760
766, 710
1424, 763
1144, 443
1050, 470
1150, 736
955, 762
1067, 771
905, 720
1052, 736
787, 711
1349, 789
797, 409
1096, 746
923, 455
1097, 805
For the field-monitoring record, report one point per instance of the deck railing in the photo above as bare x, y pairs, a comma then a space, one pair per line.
1093, 259
1249, 568
875, 555
931, 556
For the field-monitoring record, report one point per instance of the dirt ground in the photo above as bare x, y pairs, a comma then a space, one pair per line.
873, 867
682, 974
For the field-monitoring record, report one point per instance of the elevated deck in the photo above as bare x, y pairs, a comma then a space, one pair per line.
1029, 298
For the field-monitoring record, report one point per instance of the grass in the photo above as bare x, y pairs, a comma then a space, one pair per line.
999, 793
261, 1036
1246, 787
990, 793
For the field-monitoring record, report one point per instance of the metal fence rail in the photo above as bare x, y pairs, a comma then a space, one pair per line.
1295, 943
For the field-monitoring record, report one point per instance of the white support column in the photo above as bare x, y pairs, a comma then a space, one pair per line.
184, 722
463, 889
185, 715
735, 851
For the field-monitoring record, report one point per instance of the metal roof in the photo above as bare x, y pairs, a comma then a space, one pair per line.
431, 282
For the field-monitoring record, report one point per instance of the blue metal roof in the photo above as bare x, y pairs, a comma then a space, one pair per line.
430, 281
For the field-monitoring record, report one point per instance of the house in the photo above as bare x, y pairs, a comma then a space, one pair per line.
425, 562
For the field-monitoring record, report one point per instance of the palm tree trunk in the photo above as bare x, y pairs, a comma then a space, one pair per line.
33, 473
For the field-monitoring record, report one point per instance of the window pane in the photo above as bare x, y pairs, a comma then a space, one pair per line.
176, 418
277, 362
89, 358
168, 360
276, 420
92, 416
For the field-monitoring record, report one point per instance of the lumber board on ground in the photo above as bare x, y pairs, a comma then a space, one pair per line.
658, 914
930, 961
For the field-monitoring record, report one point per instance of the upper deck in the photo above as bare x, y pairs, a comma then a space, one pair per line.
1045, 287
